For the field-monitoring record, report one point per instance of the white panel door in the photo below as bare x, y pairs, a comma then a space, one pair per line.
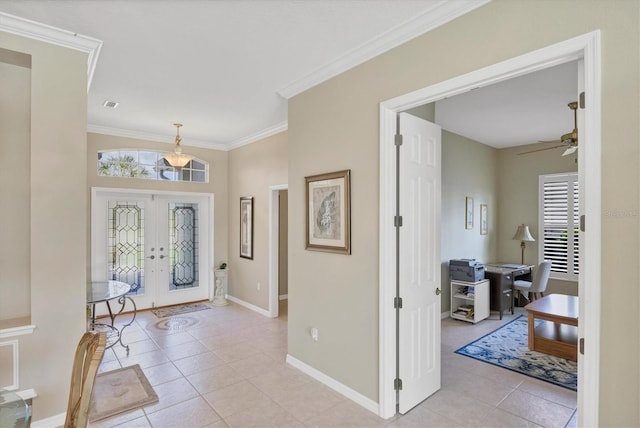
159, 244
419, 266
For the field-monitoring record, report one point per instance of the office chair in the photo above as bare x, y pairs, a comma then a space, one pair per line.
85, 366
539, 283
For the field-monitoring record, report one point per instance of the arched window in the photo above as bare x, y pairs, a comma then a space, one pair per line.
149, 164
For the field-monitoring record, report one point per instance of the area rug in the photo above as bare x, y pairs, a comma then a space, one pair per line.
180, 309
507, 347
119, 391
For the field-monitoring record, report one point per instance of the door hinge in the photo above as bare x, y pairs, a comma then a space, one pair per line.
582, 220
397, 221
397, 302
582, 345
397, 384
398, 140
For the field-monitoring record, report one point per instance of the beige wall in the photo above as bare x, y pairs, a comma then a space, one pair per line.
334, 126
58, 206
468, 169
15, 111
518, 202
218, 184
252, 169
283, 243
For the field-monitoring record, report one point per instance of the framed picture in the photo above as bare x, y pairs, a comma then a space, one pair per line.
329, 212
246, 227
468, 217
484, 228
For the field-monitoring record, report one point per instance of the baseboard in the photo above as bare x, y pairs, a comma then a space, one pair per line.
284, 297
249, 306
340, 388
51, 422
445, 315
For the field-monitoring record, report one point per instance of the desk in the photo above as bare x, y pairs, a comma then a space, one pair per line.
558, 333
14, 411
501, 279
106, 291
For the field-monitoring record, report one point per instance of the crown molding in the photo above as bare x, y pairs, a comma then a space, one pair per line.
441, 13
125, 133
265, 133
56, 36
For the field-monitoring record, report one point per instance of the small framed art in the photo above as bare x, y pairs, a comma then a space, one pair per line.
468, 217
246, 227
484, 228
329, 212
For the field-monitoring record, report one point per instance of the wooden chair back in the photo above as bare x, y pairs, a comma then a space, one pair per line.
85, 366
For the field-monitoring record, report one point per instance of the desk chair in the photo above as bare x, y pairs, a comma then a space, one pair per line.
85, 366
539, 283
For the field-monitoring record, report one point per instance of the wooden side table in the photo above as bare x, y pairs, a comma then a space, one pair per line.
558, 333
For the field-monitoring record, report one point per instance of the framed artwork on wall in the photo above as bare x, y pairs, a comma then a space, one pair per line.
329, 212
246, 227
468, 217
484, 227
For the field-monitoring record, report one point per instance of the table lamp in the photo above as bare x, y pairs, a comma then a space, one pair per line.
522, 234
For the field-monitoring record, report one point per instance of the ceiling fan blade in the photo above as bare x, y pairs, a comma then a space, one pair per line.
570, 150
550, 141
540, 150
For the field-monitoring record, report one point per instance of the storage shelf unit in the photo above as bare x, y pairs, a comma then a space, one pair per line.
470, 300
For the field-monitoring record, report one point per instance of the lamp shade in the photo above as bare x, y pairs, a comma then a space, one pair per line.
523, 234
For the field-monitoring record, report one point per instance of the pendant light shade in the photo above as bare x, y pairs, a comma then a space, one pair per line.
177, 159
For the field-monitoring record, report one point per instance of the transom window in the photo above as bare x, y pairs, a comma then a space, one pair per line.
149, 164
559, 222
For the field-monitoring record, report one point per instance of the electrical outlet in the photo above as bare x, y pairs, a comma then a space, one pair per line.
258, 286
314, 334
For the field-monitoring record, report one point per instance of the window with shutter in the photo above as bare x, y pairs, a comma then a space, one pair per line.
558, 224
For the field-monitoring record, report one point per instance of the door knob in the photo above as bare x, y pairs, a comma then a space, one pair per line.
438, 291
151, 257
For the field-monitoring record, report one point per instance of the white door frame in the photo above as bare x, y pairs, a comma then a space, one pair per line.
586, 46
274, 247
210, 207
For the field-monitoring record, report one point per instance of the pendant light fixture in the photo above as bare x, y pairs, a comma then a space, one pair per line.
177, 159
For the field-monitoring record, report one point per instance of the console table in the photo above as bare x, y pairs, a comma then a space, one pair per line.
557, 334
106, 291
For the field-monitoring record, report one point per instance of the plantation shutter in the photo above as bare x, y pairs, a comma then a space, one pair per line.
559, 220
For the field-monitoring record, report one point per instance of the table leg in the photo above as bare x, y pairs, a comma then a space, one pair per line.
532, 331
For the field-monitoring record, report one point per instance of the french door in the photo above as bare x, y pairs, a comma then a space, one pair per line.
159, 243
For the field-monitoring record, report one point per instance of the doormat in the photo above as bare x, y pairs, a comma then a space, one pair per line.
507, 347
119, 391
180, 309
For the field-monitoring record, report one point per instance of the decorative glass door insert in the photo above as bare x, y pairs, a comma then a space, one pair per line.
125, 243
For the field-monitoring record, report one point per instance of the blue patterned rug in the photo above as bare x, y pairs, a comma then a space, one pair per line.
507, 347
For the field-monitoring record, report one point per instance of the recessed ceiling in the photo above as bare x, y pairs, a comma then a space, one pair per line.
219, 66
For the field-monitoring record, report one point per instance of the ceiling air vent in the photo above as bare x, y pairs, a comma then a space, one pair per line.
110, 104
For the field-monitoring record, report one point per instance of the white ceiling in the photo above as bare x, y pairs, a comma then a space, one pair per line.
519, 111
225, 68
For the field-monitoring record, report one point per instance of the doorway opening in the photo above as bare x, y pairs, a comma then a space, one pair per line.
586, 47
278, 203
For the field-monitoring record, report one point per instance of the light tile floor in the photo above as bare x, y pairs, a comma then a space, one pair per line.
225, 367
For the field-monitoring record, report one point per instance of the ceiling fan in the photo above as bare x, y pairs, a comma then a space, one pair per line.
570, 140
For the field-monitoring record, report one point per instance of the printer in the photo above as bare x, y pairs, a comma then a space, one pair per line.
468, 270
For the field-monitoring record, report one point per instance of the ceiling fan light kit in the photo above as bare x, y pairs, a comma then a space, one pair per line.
177, 159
